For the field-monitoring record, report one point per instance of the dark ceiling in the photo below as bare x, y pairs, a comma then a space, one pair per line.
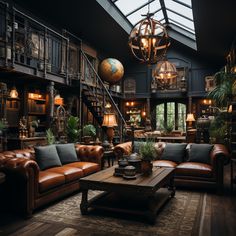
215, 25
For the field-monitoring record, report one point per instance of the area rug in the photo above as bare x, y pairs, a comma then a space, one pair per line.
179, 216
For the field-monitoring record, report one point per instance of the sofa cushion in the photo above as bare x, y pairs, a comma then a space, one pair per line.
66, 153
137, 146
194, 169
46, 157
49, 180
200, 153
164, 163
87, 167
69, 172
174, 152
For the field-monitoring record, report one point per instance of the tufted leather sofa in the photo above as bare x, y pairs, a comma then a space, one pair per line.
190, 173
27, 187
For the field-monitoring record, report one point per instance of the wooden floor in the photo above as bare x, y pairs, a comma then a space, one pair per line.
218, 219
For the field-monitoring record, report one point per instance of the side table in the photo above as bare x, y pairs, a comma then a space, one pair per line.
109, 156
233, 178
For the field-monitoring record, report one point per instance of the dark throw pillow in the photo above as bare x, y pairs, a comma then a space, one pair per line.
174, 152
200, 152
46, 157
137, 146
67, 153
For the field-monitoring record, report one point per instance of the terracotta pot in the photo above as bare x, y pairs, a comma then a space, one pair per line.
146, 167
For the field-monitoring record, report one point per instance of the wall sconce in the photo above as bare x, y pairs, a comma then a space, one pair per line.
144, 113
127, 104
13, 92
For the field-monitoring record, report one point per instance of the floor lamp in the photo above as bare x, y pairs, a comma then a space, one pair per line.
109, 121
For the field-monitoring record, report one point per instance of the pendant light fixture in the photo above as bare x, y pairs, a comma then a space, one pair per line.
165, 72
148, 39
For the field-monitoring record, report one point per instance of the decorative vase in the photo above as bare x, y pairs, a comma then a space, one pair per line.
146, 167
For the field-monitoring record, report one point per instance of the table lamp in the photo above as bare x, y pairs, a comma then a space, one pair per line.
190, 119
109, 121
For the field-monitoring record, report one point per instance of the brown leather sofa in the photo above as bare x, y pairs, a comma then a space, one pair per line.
190, 173
27, 187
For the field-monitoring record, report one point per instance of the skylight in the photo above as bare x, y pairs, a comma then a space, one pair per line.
177, 14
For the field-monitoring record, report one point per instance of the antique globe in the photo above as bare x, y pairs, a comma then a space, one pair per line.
111, 70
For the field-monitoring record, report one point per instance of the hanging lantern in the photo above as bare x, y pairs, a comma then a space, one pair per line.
149, 40
164, 73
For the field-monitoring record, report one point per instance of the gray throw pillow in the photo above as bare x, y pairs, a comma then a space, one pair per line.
200, 152
136, 147
67, 153
174, 152
46, 157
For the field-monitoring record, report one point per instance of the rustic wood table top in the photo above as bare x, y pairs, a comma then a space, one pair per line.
106, 181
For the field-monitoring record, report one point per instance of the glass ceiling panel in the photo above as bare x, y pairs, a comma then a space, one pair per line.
179, 8
130, 5
137, 16
181, 20
184, 24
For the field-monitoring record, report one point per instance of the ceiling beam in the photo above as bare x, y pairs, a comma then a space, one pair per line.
163, 6
116, 14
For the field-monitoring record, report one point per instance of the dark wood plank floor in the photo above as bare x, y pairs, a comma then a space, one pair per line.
218, 218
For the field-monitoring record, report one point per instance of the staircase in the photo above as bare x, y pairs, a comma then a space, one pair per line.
96, 95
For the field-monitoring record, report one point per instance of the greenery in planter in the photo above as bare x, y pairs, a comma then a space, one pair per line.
72, 129
89, 130
225, 88
147, 151
50, 137
168, 128
218, 129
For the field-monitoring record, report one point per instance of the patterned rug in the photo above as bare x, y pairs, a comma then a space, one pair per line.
180, 216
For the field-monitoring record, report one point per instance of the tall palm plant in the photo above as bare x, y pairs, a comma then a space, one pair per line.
225, 88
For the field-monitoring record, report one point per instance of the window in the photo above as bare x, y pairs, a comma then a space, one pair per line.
171, 115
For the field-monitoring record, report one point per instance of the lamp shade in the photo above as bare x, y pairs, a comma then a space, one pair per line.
190, 117
58, 100
13, 93
109, 120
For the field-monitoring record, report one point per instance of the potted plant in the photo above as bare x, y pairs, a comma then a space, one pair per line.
72, 129
218, 129
50, 137
148, 153
89, 131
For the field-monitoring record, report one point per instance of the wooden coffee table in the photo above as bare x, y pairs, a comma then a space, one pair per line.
144, 195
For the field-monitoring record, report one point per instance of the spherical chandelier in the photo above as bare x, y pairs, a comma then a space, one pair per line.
164, 73
149, 40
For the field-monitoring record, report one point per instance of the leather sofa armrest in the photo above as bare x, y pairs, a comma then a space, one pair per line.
90, 153
22, 176
219, 153
123, 149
